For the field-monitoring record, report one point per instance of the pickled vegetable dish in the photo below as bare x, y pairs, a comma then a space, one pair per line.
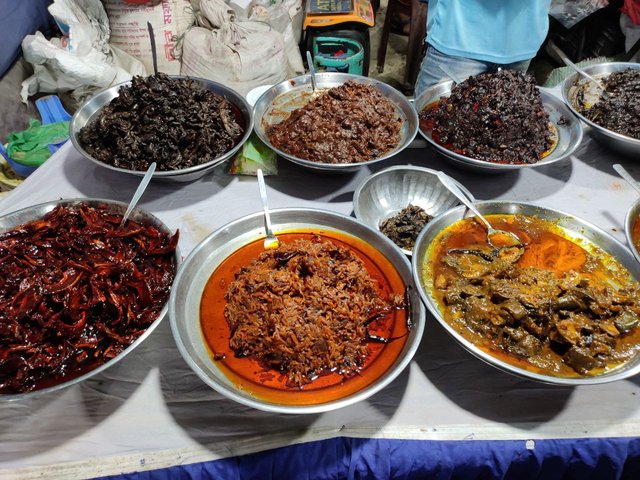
550, 305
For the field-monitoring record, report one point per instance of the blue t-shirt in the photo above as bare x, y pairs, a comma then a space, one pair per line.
497, 31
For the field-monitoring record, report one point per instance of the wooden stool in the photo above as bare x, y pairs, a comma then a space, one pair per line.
416, 11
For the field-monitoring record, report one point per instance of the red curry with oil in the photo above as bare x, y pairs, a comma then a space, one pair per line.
546, 248
253, 377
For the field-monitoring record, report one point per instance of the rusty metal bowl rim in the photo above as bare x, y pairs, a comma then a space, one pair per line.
34, 212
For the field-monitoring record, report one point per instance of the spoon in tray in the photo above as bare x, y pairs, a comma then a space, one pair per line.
448, 182
312, 72
627, 176
138, 193
580, 71
270, 241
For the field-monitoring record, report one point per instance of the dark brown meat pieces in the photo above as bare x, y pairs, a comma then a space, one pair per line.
404, 227
174, 122
302, 309
620, 109
347, 124
495, 117
527, 310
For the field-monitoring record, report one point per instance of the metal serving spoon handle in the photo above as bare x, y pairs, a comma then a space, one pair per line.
448, 182
312, 70
627, 176
138, 193
270, 241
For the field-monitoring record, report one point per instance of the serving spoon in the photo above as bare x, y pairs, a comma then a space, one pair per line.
312, 71
270, 241
138, 193
627, 176
448, 182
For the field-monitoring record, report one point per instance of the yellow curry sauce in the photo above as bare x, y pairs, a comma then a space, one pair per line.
578, 277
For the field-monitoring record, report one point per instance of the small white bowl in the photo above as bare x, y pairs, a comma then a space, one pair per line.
388, 191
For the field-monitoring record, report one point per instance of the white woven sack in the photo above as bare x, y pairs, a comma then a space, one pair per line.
240, 55
129, 31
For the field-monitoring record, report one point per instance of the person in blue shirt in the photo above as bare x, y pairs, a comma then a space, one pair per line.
475, 36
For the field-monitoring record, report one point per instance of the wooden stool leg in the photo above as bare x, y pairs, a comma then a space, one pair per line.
382, 49
417, 32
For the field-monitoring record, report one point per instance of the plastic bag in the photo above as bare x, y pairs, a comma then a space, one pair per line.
253, 155
82, 61
571, 12
30, 147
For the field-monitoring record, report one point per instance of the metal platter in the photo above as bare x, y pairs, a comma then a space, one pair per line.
184, 304
91, 109
616, 141
579, 230
384, 193
567, 126
13, 220
280, 100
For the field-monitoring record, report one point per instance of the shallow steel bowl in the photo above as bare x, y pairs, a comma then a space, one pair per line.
616, 141
576, 228
91, 109
633, 215
279, 101
388, 191
568, 128
184, 304
29, 214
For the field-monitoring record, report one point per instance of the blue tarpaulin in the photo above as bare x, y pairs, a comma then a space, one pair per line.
358, 458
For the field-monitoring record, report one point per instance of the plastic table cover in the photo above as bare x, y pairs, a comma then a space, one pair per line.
448, 415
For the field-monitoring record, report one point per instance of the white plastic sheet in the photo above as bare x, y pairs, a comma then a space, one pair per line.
151, 411
82, 61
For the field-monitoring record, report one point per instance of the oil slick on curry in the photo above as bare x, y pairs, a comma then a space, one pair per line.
551, 305
320, 318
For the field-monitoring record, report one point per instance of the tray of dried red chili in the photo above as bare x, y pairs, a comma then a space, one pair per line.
327, 319
78, 292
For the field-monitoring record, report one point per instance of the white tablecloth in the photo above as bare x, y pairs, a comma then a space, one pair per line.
150, 411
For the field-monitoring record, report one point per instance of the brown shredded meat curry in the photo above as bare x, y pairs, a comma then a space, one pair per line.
347, 124
303, 309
